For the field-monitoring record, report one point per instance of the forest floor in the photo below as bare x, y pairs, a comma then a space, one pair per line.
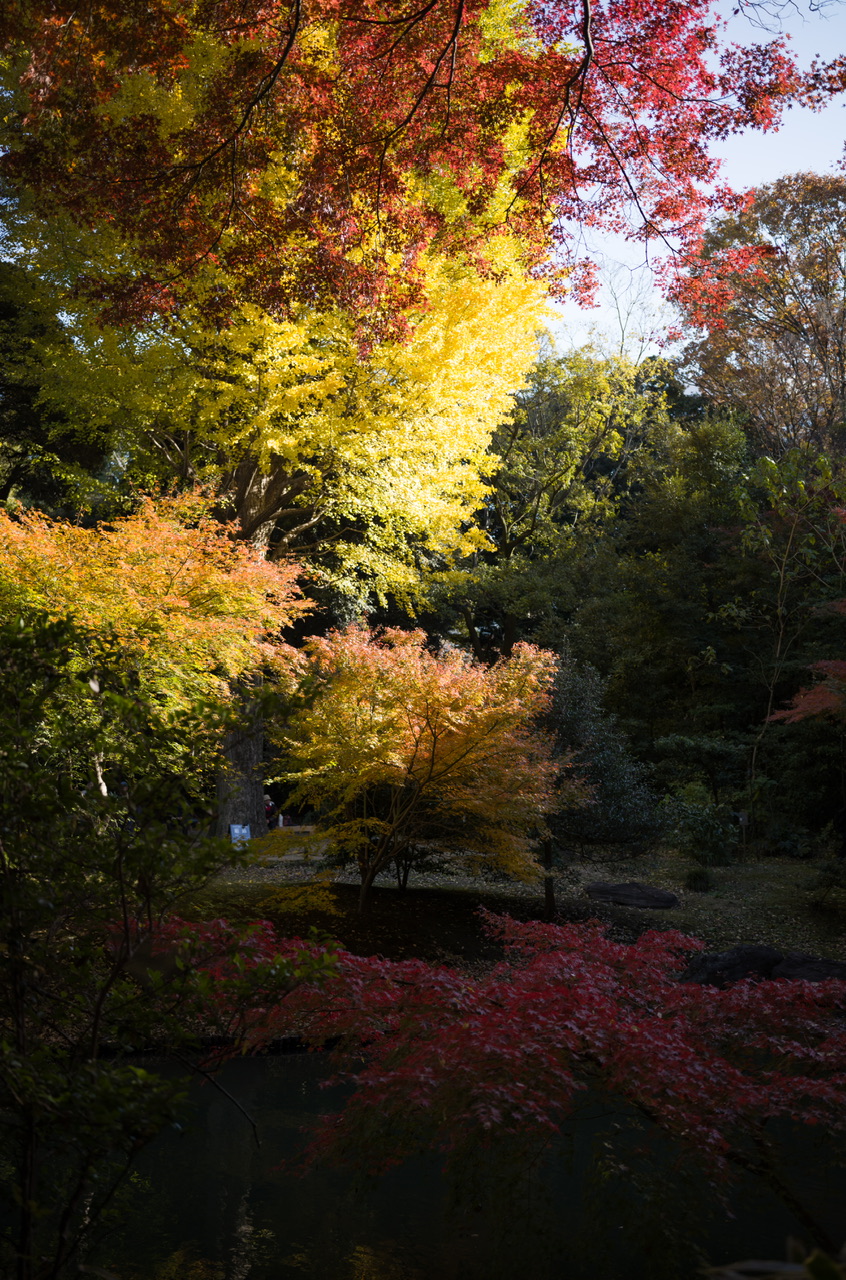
777, 901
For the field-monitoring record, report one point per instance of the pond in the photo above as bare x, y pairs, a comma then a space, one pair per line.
208, 1203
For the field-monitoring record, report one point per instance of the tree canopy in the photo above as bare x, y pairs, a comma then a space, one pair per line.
273, 277
189, 606
306, 156
461, 1064
767, 288
398, 747
273, 280
357, 464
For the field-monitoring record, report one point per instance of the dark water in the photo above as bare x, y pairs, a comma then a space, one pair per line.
207, 1203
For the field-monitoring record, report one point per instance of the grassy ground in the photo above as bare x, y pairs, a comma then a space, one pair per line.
768, 901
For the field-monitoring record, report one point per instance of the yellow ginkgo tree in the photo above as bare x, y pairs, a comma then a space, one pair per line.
361, 460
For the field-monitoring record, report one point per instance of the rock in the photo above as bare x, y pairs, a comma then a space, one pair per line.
632, 895
811, 968
718, 969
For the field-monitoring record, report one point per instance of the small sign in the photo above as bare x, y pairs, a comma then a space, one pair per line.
240, 834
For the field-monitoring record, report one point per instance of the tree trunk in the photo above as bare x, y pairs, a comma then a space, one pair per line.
261, 497
365, 891
26, 1252
240, 779
550, 907
509, 634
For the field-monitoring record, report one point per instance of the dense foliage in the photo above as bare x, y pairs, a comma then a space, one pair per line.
89, 972
457, 1062
188, 605
307, 156
402, 751
273, 280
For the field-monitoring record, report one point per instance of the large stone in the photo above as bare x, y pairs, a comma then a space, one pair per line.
632, 895
719, 969
811, 968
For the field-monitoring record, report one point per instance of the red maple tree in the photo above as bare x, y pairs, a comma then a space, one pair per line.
827, 697
324, 148
451, 1061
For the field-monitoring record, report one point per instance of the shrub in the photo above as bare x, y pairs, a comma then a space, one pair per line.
699, 880
702, 830
620, 808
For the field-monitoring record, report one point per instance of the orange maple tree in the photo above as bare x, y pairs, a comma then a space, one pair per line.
190, 606
403, 750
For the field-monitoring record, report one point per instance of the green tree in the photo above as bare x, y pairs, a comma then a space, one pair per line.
651, 590
46, 456
558, 468
92, 966
703, 609
619, 808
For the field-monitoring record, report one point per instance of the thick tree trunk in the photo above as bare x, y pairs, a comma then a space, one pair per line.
262, 498
240, 779
509, 634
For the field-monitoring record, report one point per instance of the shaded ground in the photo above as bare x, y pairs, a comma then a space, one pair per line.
776, 901
771, 901
439, 925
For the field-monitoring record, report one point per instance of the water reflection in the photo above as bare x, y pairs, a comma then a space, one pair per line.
609, 1201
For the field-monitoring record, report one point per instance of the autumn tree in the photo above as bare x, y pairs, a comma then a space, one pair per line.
191, 608
311, 157
368, 468
400, 750
825, 698
767, 291
571, 1018
323, 237
359, 465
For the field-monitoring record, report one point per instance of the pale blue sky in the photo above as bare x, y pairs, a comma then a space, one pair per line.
806, 140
